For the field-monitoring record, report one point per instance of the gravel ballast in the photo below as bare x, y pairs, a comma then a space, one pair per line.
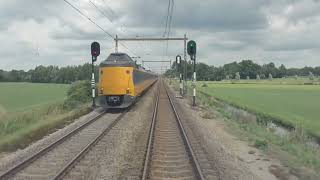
120, 154
11, 159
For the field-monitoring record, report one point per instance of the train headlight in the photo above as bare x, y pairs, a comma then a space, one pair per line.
128, 91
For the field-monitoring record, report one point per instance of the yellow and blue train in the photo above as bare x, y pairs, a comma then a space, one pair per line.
121, 81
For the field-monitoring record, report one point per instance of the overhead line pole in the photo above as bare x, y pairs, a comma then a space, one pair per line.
156, 61
151, 39
184, 39
116, 49
184, 78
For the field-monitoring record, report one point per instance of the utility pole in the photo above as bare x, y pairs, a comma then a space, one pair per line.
184, 78
116, 39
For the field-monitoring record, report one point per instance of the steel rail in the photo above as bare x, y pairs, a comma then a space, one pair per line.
18, 167
186, 140
85, 150
150, 140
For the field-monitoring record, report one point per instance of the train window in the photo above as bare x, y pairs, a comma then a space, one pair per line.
118, 57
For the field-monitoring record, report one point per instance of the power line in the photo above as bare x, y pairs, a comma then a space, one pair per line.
165, 48
167, 17
128, 48
170, 18
93, 22
169, 23
123, 44
110, 9
106, 16
97, 25
93, 4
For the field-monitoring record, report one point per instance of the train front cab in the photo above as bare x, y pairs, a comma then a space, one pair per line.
116, 88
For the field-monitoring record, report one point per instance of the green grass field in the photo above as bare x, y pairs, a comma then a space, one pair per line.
296, 105
28, 111
23, 96
284, 81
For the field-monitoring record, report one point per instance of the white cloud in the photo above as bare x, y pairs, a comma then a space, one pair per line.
280, 31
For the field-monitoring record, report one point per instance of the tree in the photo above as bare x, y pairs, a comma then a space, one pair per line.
248, 68
282, 71
218, 73
305, 71
317, 71
270, 69
231, 68
203, 71
1, 75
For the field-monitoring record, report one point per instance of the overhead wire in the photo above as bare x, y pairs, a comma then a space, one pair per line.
168, 25
165, 29
121, 43
170, 18
110, 9
97, 25
167, 17
101, 11
93, 22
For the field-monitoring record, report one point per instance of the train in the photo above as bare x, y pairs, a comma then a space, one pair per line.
122, 81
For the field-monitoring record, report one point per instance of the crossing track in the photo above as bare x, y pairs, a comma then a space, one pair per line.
56, 159
169, 153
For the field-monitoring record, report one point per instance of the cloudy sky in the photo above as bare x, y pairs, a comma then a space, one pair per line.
43, 32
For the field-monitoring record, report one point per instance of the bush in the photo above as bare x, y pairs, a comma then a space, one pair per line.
261, 144
204, 85
79, 93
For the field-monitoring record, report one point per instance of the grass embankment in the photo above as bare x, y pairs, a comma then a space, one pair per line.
292, 149
292, 105
287, 81
31, 111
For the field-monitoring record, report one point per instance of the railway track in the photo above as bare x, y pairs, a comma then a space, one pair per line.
55, 160
169, 153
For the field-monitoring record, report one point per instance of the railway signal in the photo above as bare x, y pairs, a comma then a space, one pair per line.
192, 51
178, 63
95, 52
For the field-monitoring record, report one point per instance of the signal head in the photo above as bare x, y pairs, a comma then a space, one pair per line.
192, 48
95, 49
178, 59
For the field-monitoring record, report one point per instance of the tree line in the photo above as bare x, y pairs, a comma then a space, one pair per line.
246, 69
242, 70
49, 74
